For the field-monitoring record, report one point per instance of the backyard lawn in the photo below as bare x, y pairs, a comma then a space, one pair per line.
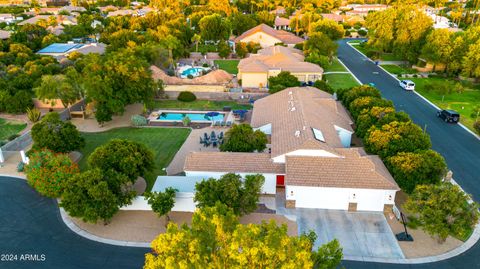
335, 66
199, 105
464, 102
9, 128
228, 65
341, 81
164, 142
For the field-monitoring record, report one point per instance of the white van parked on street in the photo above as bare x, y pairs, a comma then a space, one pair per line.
407, 85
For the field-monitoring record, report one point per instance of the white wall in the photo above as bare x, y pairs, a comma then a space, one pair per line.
266, 129
339, 198
262, 38
304, 152
345, 136
183, 203
269, 187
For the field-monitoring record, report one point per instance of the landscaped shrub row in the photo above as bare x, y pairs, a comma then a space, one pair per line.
401, 144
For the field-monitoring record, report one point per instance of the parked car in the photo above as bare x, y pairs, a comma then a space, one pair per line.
407, 85
449, 115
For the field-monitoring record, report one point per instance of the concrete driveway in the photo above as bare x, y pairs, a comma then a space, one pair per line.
361, 234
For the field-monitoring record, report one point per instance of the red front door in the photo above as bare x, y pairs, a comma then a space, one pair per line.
281, 180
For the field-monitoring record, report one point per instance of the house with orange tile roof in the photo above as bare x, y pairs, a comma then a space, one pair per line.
281, 24
309, 155
266, 36
255, 70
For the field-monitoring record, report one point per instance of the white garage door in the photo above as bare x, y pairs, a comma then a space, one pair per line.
325, 198
371, 201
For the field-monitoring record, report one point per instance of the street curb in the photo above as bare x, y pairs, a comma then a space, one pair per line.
7, 175
419, 95
340, 61
72, 226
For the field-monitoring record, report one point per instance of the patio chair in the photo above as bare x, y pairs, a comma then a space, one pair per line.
214, 144
229, 123
207, 143
223, 124
220, 136
202, 141
213, 135
205, 136
217, 123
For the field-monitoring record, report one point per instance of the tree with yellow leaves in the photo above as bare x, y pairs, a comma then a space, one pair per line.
215, 239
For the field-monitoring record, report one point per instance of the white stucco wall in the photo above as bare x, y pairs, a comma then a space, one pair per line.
304, 152
183, 203
269, 187
339, 198
344, 135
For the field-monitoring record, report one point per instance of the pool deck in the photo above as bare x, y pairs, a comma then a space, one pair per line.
153, 117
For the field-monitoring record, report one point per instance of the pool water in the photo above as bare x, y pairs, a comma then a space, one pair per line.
193, 117
192, 71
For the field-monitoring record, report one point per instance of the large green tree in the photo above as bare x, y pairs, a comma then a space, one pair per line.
416, 168
54, 134
331, 28
282, 81
396, 137
57, 87
377, 116
320, 44
96, 195
241, 195
367, 102
438, 48
442, 210
215, 239
242, 138
214, 27
48, 172
129, 158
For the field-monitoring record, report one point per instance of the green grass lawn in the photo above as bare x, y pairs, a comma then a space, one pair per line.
199, 105
397, 69
335, 66
9, 128
341, 81
463, 103
363, 48
164, 142
228, 65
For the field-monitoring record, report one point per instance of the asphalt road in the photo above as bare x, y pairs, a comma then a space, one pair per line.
460, 148
32, 225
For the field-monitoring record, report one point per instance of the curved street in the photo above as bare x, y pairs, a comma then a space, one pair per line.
31, 226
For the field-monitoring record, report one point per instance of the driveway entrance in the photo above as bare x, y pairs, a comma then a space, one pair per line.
361, 234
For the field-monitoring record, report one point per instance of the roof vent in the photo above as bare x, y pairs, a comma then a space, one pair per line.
297, 133
293, 109
290, 92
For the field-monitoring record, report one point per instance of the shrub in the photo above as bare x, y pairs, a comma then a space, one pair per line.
205, 65
33, 114
322, 85
186, 121
367, 102
315, 58
377, 116
371, 54
347, 33
12, 137
242, 138
362, 32
48, 172
282, 81
241, 49
359, 91
476, 126
138, 120
186, 96
299, 46
170, 72
416, 168
20, 167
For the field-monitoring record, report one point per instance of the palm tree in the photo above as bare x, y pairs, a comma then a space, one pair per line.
196, 39
170, 42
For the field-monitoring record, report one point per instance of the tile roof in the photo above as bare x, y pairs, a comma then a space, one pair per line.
234, 162
332, 16
277, 58
352, 170
283, 36
279, 21
301, 109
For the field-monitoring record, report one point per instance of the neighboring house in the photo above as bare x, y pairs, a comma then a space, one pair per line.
266, 36
282, 23
310, 155
107, 9
73, 9
363, 10
130, 12
62, 50
61, 19
9, 18
334, 17
56, 30
4, 34
255, 70
279, 11
185, 187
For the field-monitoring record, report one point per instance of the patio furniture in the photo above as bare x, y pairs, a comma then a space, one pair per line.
213, 136
202, 141
214, 144
222, 124
229, 123
207, 143
220, 136
216, 123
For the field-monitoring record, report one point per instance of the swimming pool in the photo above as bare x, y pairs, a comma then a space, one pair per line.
194, 71
174, 116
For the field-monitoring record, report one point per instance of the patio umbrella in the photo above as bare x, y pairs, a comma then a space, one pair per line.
212, 114
240, 112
